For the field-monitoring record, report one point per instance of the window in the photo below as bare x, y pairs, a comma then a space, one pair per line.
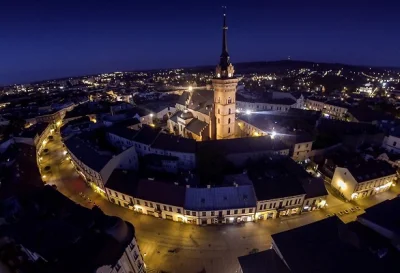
229, 100
261, 207
145, 203
203, 213
218, 121
117, 267
229, 120
187, 212
165, 207
394, 143
219, 112
219, 99
170, 208
179, 210
138, 202
229, 130
151, 205
243, 211
250, 210
131, 246
116, 194
236, 211
306, 145
193, 213
228, 212
212, 213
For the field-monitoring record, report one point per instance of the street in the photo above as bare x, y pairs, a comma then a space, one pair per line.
213, 248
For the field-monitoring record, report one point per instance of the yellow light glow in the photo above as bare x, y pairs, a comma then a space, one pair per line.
43, 176
190, 88
342, 185
354, 195
256, 134
152, 125
322, 203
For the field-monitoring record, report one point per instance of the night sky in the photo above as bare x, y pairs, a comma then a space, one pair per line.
51, 39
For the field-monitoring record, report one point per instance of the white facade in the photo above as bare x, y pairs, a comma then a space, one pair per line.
302, 150
345, 183
160, 210
225, 216
392, 144
273, 208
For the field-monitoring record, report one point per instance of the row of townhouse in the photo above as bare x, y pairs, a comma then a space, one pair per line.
150, 141
274, 101
96, 165
332, 108
272, 198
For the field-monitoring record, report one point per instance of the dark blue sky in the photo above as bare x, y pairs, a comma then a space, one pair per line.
49, 39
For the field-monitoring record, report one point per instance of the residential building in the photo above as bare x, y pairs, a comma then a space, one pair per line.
160, 199
271, 101
239, 150
362, 178
324, 246
95, 165
57, 235
382, 218
278, 189
214, 205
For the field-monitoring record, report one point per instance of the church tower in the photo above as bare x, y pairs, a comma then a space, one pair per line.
224, 84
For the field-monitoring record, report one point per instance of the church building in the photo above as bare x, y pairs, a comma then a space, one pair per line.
209, 114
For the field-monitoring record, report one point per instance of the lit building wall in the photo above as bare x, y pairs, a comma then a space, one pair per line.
225, 106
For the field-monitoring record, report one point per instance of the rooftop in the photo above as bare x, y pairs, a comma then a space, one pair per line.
123, 181
161, 192
371, 169
263, 262
378, 215
220, 198
86, 152
243, 145
174, 143
331, 246
276, 178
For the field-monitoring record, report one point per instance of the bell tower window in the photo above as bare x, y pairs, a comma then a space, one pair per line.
229, 120
229, 100
219, 112
229, 111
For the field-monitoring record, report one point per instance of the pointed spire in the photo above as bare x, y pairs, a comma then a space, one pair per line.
224, 58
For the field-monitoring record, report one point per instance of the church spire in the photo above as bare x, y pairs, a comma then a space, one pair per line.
224, 58
224, 68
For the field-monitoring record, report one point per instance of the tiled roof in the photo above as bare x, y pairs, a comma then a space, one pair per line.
220, 198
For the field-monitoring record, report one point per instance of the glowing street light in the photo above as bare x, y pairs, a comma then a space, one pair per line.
273, 134
248, 112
